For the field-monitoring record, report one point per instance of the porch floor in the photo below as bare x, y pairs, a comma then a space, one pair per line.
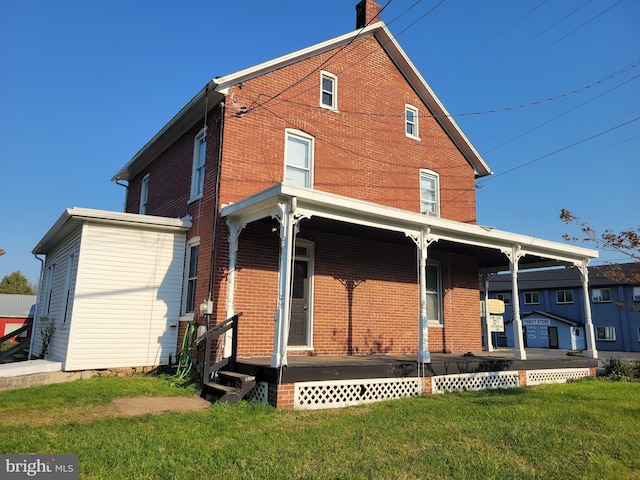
317, 368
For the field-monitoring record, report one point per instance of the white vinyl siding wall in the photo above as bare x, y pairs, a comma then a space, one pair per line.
60, 258
127, 299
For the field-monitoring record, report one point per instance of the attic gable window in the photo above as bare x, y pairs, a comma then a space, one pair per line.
411, 122
429, 193
328, 91
144, 194
197, 173
298, 153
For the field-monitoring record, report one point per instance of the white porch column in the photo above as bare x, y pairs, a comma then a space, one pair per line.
592, 352
487, 326
286, 207
518, 349
424, 356
234, 233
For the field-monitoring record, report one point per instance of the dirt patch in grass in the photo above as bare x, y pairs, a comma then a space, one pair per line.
152, 405
119, 407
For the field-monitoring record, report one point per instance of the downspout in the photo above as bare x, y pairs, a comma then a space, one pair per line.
35, 313
126, 193
216, 206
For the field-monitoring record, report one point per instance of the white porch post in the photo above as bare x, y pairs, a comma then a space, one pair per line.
592, 352
234, 232
286, 208
518, 349
487, 326
424, 356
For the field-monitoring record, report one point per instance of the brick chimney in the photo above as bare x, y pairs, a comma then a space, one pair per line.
367, 12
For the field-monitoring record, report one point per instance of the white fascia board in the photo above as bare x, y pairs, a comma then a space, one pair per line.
224, 83
327, 205
438, 110
72, 218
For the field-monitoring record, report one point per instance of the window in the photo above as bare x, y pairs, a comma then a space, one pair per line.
638, 334
328, 91
429, 193
636, 294
191, 275
434, 294
601, 295
144, 194
607, 334
299, 159
199, 156
67, 287
531, 298
411, 121
49, 288
564, 296
505, 297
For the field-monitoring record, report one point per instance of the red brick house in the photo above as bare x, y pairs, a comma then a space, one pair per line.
332, 201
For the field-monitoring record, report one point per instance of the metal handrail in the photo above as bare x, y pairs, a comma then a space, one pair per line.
210, 367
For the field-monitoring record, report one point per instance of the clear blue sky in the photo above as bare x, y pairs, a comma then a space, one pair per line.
85, 84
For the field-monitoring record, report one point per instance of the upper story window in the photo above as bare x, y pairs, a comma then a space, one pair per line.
197, 173
531, 298
190, 276
429, 193
564, 296
601, 295
505, 297
411, 121
328, 90
298, 153
144, 194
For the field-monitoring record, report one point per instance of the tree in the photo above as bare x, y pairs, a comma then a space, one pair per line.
16, 283
626, 242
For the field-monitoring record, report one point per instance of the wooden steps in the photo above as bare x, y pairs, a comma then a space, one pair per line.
228, 387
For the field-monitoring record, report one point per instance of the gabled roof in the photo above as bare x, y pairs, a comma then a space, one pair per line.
551, 316
214, 92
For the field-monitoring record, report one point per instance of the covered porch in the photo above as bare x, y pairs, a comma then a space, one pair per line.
492, 251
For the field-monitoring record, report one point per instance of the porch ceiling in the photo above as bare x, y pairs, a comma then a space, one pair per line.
348, 216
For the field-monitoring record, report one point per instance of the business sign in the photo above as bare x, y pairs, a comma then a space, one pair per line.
496, 323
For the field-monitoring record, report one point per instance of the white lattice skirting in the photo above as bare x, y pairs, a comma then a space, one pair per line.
475, 381
345, 393
259, 393
560, 375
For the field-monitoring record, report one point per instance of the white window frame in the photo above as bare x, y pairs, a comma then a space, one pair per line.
565, 294
333, 92
199, 161
608, 334
144, 195
67, 287
636, 294
431, 175
638, 334
436, 322
51, 272
505, 297
411, 125
189, 277
533, 298
599, 295
309, 140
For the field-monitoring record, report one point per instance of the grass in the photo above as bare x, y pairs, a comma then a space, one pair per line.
580, 430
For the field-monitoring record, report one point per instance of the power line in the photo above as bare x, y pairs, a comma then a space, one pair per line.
492, 39
486, 179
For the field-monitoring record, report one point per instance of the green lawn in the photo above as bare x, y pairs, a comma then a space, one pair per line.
588, 429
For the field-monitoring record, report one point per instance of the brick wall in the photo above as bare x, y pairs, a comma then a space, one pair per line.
362, 152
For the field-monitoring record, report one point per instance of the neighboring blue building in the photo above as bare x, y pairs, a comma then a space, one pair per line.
552, 308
